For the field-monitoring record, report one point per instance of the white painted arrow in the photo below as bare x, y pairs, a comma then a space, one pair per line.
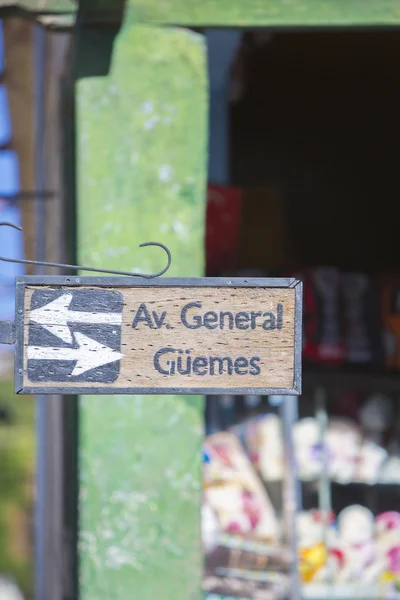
56, 315
89, 355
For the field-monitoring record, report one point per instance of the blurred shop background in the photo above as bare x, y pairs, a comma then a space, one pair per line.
303, 182
307, 186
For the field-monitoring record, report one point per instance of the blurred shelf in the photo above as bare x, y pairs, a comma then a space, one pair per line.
336, 592
357, 484
348, 592
349, 377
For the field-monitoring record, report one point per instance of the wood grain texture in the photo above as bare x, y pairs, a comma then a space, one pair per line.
52, 549
18, 46
267, 13
141, 160
168, 338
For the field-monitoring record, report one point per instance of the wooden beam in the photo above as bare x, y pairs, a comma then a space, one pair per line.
22, 95
51, 551
18, 45
57, 45
254, 13
141, 175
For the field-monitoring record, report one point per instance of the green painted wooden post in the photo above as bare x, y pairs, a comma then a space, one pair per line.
255, 13
141, 174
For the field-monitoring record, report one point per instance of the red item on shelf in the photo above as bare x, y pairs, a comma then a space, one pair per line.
323, 340
339, 555
310, 326
222, 227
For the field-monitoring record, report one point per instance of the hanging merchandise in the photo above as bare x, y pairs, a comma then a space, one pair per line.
363, 327
329, 342
349, 319
323, 335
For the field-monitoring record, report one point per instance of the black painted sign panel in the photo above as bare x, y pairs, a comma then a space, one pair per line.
75, 334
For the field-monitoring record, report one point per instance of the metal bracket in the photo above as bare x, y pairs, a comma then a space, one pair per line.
81, 268
7, 332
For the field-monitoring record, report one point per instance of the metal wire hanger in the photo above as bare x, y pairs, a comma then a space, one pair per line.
79, 268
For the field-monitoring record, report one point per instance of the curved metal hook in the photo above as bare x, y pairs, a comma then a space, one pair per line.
78, 268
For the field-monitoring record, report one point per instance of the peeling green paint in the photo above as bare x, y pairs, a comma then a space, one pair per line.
251, 13
259, 13
141, 174
225, 13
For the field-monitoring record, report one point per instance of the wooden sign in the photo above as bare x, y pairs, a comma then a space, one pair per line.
111, 335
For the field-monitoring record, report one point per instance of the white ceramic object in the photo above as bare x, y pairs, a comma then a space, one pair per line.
356, 525
271, 455
371, 460
310, 532
390, 472
306, 439
343, 441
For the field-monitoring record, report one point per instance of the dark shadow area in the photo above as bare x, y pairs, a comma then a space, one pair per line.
96, 29
320, 118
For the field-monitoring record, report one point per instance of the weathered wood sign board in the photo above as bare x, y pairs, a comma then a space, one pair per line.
120, 335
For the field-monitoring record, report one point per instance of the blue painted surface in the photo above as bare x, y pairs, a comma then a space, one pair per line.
11, 244
5, 122
11, 241
9, 173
